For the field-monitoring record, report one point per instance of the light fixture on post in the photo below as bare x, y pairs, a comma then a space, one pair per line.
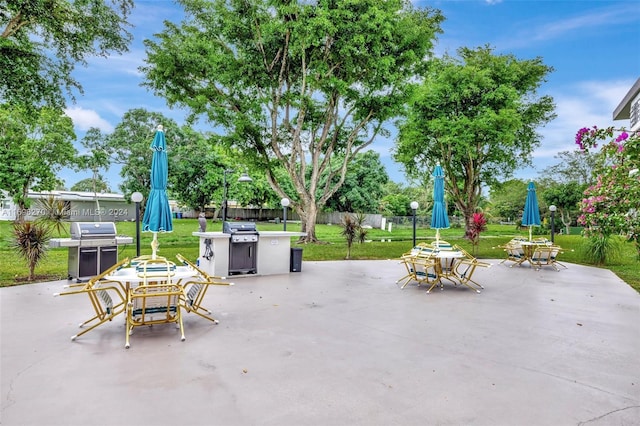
285, 203
243, 178
552, 209
414, 206
136, 197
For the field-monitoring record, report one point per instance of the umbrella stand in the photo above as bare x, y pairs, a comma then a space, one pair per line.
154, 246
439, 218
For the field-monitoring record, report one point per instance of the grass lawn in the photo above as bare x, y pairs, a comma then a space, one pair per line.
381, 245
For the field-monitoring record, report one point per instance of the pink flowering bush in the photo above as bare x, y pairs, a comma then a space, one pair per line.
612, 204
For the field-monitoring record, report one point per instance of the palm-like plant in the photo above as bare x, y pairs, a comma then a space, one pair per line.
352, 229
56, 213
30, 240
349, 231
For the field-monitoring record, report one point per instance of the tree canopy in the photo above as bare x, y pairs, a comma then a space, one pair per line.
507, 199
96, 184
477, 114
573, 166
42, 40
292, 84
33, 149
363, 185
129, 143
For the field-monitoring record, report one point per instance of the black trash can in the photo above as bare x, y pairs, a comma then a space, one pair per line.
295, 262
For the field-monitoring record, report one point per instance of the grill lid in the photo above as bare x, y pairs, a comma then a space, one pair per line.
84, 230
239, 227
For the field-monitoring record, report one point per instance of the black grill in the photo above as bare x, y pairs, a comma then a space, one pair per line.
96, 250
243, 245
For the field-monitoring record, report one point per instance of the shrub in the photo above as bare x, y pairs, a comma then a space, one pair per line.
30, 240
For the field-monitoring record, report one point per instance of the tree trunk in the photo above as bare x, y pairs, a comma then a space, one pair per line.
566, 222
308, 215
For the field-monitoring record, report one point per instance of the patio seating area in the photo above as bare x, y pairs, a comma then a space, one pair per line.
431, 263
337, 344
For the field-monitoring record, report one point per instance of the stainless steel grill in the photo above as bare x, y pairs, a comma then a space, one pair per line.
243, 245
93, 248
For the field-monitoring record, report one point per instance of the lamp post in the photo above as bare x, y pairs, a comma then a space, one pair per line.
414, 207
552, 209
243, 178
224, 194
285, 203
136, 197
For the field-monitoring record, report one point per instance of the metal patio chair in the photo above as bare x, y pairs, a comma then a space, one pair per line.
546, 256
107, 298
156, 299
195, 290
150, 304
424, 269
425, 251
466, 267
515, 253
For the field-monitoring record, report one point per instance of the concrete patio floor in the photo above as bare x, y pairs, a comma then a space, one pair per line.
337, 344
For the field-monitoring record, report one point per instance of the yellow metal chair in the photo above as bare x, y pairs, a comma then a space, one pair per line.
100, 291
546, 256
195, 290
424, 250
150, 304
466, 267
156, 300
424, 269
515, 253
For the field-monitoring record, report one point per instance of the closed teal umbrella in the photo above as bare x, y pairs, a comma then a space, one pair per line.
157, 214
531, 214
439, 218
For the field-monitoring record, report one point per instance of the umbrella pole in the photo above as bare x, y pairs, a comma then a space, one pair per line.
530, 238
437, 235
154, 245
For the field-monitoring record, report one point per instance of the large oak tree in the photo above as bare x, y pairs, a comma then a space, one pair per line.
33, 149
292, 84
477, 114
41, 41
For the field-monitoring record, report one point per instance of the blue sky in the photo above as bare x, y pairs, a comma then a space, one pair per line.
594, 47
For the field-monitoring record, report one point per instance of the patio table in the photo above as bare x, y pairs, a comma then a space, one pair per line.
446, 267
130, 277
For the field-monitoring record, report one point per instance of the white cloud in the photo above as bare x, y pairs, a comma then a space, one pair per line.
84, 119
618, 14
584, 104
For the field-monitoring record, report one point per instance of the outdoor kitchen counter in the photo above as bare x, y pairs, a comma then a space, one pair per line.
273, 251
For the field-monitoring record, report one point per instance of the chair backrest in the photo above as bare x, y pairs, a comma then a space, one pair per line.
442, 245
427, 251
466, 255
424, 267
146, 300
156, 271
514, 249
542, 254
